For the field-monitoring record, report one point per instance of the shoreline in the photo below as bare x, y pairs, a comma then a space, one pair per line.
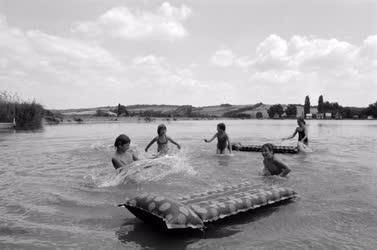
141, 119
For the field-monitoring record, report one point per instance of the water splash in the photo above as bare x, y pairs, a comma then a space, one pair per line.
147, 170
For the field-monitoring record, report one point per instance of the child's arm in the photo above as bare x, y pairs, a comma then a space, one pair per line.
152, 141
172, 141
135, 156
117, 163
211, 138
290, 137
229, 144
284, 168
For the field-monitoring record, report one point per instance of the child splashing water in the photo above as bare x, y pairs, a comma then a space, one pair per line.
301, 130
123, 155
162, 141
223, 140
272, 166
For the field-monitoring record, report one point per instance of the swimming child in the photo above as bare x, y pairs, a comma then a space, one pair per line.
223, 140
272, 166
301, 130
123, 155
162, 140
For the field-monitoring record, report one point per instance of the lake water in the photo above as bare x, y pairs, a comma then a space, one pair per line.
58, 188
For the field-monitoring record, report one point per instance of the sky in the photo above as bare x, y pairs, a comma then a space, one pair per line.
91, 53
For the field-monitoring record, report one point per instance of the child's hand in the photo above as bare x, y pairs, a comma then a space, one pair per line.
179, 147
205, 140
146, 150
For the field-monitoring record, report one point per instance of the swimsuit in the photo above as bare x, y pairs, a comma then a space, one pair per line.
222, 141
162, 145
301, 134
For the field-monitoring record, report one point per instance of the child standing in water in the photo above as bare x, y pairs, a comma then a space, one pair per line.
302, 132
223, 140
162, 140
272, 166
123, 155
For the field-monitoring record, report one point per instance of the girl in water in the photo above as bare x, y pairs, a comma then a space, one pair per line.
123, 155
302, 132
162, 140
223, 140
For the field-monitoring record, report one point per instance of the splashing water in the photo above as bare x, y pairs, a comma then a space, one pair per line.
148, 170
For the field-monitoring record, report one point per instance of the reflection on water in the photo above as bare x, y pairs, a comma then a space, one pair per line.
58, 188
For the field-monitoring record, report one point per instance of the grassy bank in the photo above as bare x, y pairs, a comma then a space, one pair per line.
27, 115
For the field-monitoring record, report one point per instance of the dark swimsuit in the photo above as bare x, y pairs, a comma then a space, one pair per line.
301, 134
222, 142
161, 145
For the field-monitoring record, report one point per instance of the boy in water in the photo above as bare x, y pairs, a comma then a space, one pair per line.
272, 166
223, 140
123, 155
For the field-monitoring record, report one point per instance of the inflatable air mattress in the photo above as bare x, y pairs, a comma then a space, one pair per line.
258, 148
193, 211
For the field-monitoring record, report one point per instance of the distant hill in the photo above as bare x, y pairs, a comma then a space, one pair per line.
157, 110
223, 110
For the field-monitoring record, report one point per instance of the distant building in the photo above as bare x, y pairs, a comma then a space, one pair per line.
328, 115
320, 116
355, 117
338, 116
309, 116
370, 117
300, 110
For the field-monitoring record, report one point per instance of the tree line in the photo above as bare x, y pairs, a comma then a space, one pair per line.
277, 110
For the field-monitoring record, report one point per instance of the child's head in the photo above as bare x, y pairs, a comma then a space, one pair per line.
161, 129
221, 126
122, 142
267, 150
300, 120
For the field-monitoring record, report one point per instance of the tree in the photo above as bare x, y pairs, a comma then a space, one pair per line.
307, 105
259, 115
320, 104
275, 109
291, 110
122, 110
372, 110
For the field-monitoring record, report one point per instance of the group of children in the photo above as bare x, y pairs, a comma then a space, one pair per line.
124, 155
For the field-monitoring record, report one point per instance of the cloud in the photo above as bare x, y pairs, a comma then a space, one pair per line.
304, 65
301, 55
66, 72
223, 58
124, 23
36, 51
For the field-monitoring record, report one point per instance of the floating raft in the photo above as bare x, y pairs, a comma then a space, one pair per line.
258, 148
193, 211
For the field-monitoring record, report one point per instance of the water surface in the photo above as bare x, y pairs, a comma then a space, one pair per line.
59, 190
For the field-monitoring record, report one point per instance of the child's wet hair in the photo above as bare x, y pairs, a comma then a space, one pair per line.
269, 146
301, 119
160, 127
221, 126
121, 140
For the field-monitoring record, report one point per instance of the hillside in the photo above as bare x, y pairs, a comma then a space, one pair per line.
224, 110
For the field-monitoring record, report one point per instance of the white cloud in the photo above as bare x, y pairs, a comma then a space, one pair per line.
223, 58
65, 72
309, 65
122, 22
